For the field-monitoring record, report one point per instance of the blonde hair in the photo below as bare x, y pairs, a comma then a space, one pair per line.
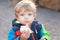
25, 4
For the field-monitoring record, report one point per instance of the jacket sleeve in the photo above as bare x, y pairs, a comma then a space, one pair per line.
11, 34
44, 33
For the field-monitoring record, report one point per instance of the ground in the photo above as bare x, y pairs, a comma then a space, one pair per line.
50, 19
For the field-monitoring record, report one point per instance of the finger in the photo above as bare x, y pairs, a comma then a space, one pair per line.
28, 31
26, 35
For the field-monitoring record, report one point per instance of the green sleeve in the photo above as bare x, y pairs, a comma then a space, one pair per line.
46, 34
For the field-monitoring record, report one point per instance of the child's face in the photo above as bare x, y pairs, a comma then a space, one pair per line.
26, 17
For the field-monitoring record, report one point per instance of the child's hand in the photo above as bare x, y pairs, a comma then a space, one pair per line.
25, 35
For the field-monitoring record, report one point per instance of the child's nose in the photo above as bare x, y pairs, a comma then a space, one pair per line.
26, 17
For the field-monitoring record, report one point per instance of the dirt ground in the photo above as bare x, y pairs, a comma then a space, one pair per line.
50, 19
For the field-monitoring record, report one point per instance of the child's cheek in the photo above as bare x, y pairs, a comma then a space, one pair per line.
32, 19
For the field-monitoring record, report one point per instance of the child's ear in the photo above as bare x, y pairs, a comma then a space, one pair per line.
16, 17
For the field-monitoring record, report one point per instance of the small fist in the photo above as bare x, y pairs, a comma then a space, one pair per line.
25, 35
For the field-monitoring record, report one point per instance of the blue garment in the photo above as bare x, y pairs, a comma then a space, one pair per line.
37, 28
11, 35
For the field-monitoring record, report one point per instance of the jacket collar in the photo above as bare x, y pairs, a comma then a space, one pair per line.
16, 24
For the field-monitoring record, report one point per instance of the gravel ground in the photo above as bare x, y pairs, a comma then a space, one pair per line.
50, 19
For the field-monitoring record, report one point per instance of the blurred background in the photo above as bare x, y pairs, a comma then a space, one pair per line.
48, 13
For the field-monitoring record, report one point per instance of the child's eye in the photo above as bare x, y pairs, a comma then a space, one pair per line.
29, 14
21, 14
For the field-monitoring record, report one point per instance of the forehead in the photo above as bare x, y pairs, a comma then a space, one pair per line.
26, 11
